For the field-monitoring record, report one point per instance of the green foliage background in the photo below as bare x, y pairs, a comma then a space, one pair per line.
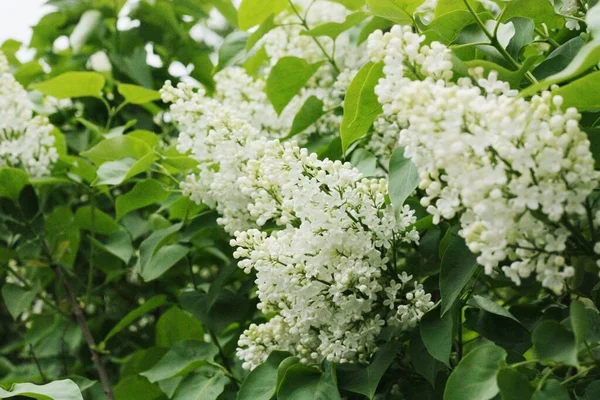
169, 330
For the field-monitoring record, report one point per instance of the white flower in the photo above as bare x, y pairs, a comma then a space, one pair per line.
25, 140
517, 172
325, 271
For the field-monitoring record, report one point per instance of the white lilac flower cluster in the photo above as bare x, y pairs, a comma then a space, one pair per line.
239, 90
25, 140
326, 273
517, 172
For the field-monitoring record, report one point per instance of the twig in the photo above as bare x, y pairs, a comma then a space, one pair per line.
37, 364
81, 321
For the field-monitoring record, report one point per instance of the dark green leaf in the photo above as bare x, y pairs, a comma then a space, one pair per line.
201, 387
311, 111
261, 383
437, 333
148, 306
17, 299
474, 378
302, 382
365, 379
552, 390
457, 268
513, 385
175, 326
143, 194
553, 343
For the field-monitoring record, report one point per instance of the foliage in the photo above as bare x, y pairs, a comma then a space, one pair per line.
324, 205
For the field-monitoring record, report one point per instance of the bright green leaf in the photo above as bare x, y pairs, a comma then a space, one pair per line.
309, 113
254, 12
361, 106
334, 29
143, 194
12, 182
137, 94
583, 94
58, 390
73, 84
398, 11
287, 77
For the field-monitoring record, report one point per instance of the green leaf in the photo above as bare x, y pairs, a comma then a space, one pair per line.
73, 84
148, 306
524, 35
592, 392
496, 327
117, 148
403, 180
335, 29
541, 12
143, 194
135, 387
351, 4
62, 234
580, 322
365, 162
361, 106
84, 30
302, 382
165, 258
64, 389
282, 369
437, 333
398, 11
474, 378
491, 307
287, 77
261, 383
133, 64
13, 181
95, 221
424, 364
254, 12
583, 94
457, 267
553, 343
175, 326
447, 27
118, 244
17, 299
587, 57
232, 50
309, 113
552, 390
150, 246
201, 387
365, 379
137, 94
446, 6
559, 58
266, 26
181, 359
513, 385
